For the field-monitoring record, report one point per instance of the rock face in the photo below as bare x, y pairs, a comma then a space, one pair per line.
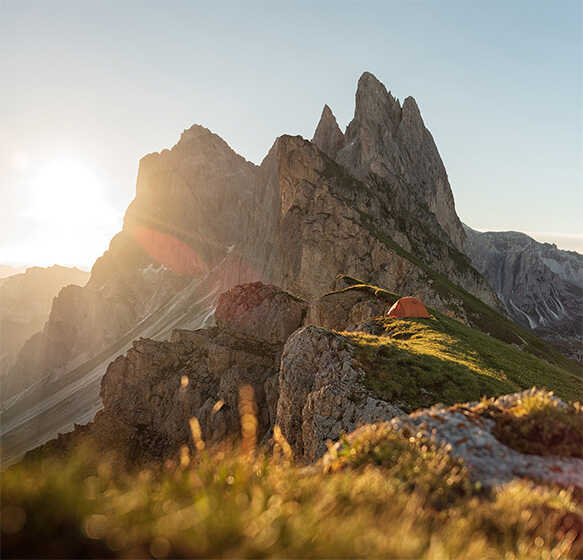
261, 311
25, 304
392, 143
321, 394
158, 386
331, 222
541, 286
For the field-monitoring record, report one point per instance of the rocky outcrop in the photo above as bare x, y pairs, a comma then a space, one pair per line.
345, 308
540, 286
469, 434
317, 386
157, 387
261, 311
321, 394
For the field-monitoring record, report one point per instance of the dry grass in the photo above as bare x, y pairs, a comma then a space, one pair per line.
388, 495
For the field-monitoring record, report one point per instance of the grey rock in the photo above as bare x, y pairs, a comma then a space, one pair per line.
157, 387
469, 436
328, 136
344, 309
321, 394
392, 143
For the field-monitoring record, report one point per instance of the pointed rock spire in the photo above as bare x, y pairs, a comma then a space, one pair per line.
392, 142
374, 102
328, 136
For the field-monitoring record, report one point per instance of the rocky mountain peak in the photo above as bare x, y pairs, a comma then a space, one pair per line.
373, 101
391, 142
328, 136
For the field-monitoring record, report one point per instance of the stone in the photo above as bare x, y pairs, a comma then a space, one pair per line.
328, 136
157, 387
321, 394
469, 436
261, 311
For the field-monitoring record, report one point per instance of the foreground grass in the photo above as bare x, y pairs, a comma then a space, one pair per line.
541, 425
423, 361
385, 494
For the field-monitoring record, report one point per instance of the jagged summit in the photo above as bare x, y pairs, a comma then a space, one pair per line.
328, 136
390, 142
374, 103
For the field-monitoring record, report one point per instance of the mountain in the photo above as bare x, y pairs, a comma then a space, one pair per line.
6, 270
373, 203
540, 285
391, 142
25, 303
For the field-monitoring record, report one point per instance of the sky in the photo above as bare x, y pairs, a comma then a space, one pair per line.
88, 88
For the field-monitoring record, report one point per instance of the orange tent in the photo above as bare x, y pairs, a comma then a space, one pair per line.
408, 307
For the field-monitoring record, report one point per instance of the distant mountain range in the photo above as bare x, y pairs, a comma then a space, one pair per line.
25, 303
7, 270
540, 285
373, 202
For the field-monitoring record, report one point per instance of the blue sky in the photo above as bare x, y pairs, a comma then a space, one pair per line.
100, 84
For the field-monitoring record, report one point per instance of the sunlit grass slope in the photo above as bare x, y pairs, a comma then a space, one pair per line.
397, 498
423, 361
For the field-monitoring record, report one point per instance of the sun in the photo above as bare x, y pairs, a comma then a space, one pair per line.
68, 190
69, 213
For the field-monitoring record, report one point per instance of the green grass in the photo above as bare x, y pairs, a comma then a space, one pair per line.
384, 495
420, 362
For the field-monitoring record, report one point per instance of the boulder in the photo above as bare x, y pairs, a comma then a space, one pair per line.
261, 311
345, 308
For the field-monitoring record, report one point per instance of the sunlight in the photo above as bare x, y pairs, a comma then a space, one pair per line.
66, 189
70, 220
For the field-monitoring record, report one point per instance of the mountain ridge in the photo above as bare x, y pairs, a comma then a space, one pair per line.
204, 219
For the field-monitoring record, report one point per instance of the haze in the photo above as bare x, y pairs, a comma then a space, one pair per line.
89, 88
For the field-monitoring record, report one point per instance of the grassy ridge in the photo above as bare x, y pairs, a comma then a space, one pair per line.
423, 361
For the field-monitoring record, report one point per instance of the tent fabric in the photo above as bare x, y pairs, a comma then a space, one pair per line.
408, 307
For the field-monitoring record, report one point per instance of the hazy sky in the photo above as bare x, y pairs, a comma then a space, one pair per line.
90, 87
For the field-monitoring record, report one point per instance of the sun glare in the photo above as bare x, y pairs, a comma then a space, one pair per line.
68, 207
